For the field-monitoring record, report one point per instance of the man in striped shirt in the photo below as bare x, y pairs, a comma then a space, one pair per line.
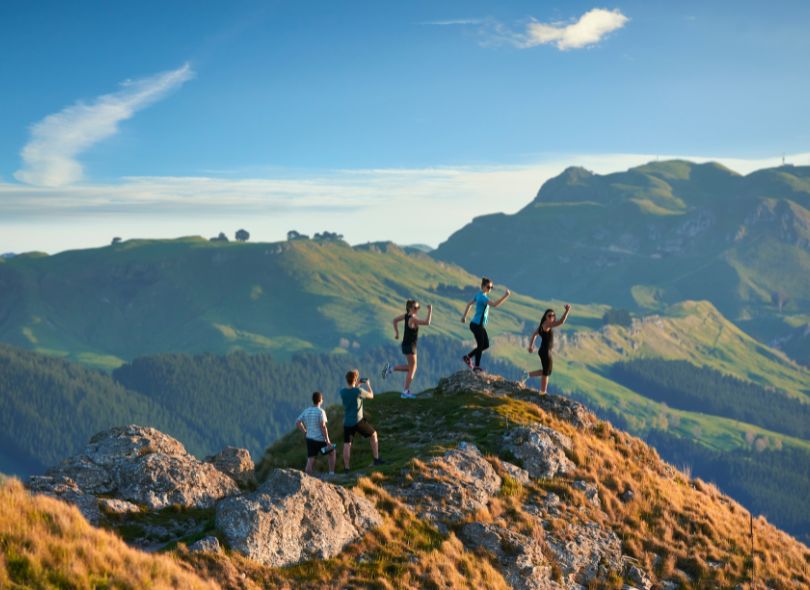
312, 422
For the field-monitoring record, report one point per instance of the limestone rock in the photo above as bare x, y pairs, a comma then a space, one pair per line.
116, 506
519, 557
517, 473
589, 489
294, 517
237, 464
209, 543
562, 407
639, 577
456, 484
147, 467
627, 495
541, 449
67, 490
586, 552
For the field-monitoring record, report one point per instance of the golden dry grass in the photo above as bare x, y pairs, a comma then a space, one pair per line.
45, 543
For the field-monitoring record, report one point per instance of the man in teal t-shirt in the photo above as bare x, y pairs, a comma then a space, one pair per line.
354, 422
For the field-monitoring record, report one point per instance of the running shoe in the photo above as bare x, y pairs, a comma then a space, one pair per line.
525, 377
467, 361
386, 370
406, 394
380, 462
478, 369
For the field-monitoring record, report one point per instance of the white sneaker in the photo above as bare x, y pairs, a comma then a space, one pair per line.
406, 394
525, 377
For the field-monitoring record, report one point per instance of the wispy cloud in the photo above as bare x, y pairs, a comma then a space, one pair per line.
589, 29
50, 156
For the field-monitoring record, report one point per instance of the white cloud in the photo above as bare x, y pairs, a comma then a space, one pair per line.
591, 28
364, 205
57, 140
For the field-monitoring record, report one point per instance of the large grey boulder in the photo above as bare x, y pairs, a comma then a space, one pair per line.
453, 485
541, 449
293, 517
237, 464
146, 467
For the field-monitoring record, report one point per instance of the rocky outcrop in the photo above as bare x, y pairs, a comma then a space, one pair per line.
206, 544
147, 467
585, 552
452, 486
562, 407
541, 449
519, 557
237, 464
294, 517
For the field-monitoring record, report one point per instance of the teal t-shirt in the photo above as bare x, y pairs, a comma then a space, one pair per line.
481, 309
352, 405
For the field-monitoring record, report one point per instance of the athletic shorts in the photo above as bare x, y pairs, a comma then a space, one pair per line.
363, 427
547, 361
409, 348
315, 446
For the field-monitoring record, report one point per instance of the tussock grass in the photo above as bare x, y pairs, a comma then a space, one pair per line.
45, 543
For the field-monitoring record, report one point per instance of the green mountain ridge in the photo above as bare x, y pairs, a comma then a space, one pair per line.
655, 235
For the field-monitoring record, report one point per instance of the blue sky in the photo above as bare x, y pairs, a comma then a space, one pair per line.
150, 119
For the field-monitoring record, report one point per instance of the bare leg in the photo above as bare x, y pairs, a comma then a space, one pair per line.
347, 453
401, 368
544, 384
332, 461
310, 465
375, 446
411, 370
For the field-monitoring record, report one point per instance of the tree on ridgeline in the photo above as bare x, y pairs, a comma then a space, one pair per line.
242, 235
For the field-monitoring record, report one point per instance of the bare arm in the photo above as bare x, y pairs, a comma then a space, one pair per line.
325, 432
564, 317
534, 336
367, 393
427, 321
467, 310
505, 296
397, 319
300, 426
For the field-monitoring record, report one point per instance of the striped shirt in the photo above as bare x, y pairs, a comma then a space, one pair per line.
312, 418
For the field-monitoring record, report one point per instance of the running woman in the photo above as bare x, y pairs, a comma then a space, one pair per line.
479, 321
546, 332
409, 338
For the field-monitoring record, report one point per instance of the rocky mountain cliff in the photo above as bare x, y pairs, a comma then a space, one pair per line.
487, 485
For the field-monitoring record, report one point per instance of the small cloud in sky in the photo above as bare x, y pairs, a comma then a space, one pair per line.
50, 156
589, 29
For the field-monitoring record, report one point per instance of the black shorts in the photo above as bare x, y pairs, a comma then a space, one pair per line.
363, 427
547, 361
408, 347
314, 447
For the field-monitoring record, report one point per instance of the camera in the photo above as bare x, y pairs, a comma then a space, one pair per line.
363, 379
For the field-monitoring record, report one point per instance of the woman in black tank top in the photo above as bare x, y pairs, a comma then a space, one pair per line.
409, 340
546, 333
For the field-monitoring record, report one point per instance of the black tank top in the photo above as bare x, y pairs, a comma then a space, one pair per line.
411, 334
546, 340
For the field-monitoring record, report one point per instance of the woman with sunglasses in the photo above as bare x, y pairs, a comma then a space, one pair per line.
546, 332
409, 338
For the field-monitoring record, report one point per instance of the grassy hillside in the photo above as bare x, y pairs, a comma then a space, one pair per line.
678, 529
104, 306
48, 544
658, 234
